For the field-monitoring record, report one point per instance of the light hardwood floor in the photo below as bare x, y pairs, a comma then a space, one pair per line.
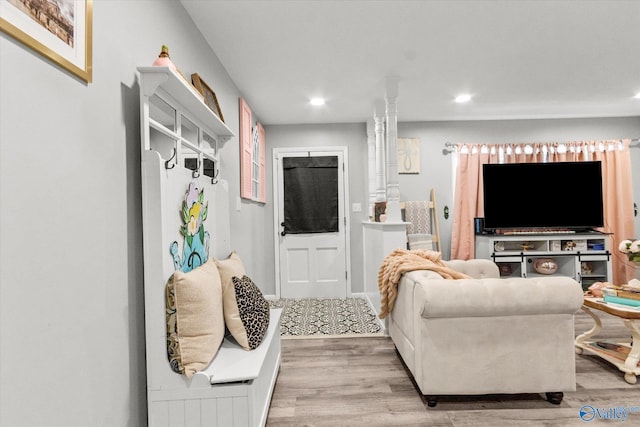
362, 382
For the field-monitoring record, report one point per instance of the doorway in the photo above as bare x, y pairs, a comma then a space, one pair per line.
311, 222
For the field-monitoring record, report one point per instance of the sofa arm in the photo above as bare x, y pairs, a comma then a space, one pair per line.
440, 298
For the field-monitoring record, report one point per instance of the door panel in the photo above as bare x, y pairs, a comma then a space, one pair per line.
312, 227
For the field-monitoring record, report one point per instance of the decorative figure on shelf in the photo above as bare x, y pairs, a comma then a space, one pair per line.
525, 246
505, 269
380, 209
545, 265
163, 60
196, 240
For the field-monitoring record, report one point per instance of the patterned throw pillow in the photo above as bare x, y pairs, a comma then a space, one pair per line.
251, 315
195, 321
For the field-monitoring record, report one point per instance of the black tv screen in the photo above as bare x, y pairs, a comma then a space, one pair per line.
564, 195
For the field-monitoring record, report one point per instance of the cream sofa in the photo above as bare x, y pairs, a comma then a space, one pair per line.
486, 335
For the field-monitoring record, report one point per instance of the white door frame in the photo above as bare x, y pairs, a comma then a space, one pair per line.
276, 203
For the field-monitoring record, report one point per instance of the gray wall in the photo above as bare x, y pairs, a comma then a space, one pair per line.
436, 167
71, 303
352, 136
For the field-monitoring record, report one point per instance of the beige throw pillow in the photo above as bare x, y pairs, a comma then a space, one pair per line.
195, 321
230, 268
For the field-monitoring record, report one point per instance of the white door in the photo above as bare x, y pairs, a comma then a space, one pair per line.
311, 223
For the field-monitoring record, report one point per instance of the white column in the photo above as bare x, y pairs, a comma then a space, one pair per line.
381, 183
371, 166
393, 188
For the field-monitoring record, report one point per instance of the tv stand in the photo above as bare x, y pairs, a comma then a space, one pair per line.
543, 231
583, 256
526, 232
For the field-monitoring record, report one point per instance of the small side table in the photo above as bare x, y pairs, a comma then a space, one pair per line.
623, 353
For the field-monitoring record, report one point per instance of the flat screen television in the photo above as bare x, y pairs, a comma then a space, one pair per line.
564, 195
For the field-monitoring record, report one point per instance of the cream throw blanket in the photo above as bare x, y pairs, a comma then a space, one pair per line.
401, 261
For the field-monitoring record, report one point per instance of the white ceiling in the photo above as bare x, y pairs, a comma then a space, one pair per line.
518, 58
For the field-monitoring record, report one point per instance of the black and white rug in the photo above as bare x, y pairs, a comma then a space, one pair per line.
327, 318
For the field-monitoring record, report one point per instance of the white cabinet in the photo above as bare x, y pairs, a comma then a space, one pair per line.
379, 240
586, 257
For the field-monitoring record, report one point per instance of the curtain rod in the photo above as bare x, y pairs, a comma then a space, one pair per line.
448, 148
451, 148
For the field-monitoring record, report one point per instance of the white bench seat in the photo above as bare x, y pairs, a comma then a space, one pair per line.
233, 391
233, 363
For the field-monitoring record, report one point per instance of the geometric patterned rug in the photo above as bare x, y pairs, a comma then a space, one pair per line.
326, 318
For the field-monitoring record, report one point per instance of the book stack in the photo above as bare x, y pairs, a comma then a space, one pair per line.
625, 295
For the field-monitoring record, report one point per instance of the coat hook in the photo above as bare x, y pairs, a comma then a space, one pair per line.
168, 164
196, 171
214, 178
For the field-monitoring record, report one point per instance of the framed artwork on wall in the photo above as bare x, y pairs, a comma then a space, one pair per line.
408, 155
210, 97
60, 30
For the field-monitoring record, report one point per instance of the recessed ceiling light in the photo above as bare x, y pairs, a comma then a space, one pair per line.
637, 96
317, 101
465, 97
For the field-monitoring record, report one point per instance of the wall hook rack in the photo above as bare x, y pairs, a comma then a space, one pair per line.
168, 164
196, 171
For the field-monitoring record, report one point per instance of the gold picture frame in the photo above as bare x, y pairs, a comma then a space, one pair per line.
66, 39
210, 98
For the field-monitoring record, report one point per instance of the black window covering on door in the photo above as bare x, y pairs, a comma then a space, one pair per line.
310, 194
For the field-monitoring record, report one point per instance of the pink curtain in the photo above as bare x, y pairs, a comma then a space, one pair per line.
617, 188
468, 198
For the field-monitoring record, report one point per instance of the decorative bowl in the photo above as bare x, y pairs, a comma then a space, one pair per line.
545, 265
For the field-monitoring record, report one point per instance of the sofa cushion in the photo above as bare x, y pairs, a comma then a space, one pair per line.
498, 297
195, 324
476, 268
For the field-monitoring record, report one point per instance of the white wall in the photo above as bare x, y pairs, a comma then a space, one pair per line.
71, 302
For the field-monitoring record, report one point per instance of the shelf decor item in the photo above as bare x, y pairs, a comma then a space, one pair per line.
210, 98
505, 269
545, 265
62, 37
631, 249
164, 60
